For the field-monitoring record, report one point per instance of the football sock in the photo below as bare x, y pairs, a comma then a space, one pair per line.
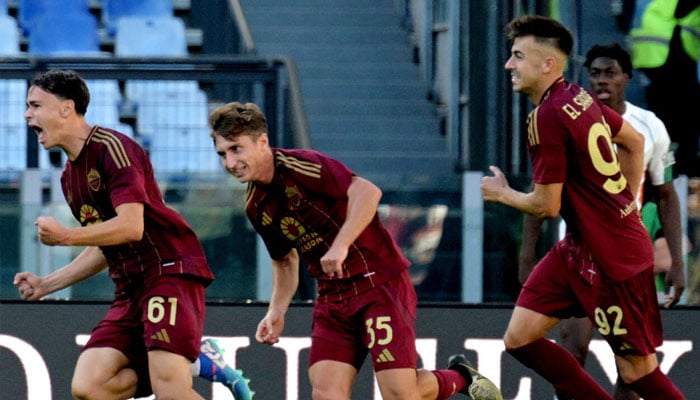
208, 370
450, 382
194, 369
656, 385
559, 368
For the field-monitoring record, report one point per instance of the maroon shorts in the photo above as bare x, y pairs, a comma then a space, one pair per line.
626, 313
380, 321
167, 313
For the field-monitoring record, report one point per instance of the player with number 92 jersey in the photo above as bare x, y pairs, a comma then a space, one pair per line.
598, 207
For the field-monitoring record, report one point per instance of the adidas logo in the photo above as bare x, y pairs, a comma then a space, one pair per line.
161, 335
385, 356
625, 346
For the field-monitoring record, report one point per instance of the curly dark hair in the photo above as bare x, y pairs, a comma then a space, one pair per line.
612, 50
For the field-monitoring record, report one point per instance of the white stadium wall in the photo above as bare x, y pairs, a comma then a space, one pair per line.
40, 342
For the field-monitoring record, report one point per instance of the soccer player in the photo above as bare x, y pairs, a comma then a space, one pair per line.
147, 342
609, 71
305, 204
603, 267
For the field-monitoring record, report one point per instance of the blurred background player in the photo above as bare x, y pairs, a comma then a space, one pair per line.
609, 72
665, 43
603, 267
303, 202
151, 335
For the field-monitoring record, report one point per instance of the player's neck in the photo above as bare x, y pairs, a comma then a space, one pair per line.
538, 96
75, 140
621, 107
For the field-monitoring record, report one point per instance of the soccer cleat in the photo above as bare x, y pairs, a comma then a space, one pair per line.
480, 387
214, 368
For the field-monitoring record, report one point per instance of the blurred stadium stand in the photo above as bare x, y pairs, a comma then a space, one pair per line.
13, 141
10, 33
410, 93
29, 10
165, 37
65, 34
114, 10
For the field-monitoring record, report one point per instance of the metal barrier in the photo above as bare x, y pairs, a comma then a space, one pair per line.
223, 78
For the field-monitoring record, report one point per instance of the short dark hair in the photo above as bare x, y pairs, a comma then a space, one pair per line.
65, 84
611, 50
544, 29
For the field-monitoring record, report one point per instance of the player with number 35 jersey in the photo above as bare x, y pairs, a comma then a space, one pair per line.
306, 204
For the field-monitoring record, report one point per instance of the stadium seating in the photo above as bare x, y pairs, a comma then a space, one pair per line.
9, 36
146, 36
172, 120
124, 128
166, 39
13, 140
180, 111
13, 148
114, 10
105, 100
183, 150
67, 34
29, 10
154, 91
156, 98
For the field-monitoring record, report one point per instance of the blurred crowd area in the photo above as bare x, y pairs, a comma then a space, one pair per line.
694, 236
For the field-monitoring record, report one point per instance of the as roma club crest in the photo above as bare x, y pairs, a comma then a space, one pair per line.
94, 180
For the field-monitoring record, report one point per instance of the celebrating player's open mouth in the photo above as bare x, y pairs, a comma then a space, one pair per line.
39, 133
41, 136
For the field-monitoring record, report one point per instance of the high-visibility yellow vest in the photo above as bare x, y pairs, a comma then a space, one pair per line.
651, 40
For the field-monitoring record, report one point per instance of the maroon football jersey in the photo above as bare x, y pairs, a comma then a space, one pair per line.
111, 170
570, 142
304, 207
